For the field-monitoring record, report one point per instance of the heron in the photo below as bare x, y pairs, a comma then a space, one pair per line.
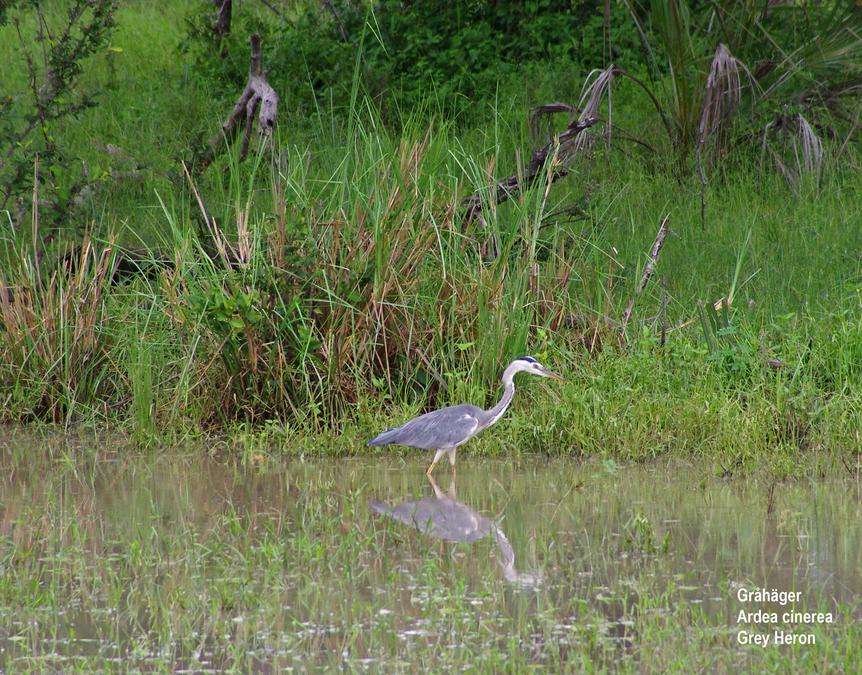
444, 517
446, 429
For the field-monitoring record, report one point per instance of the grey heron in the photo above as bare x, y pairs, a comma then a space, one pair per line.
444, 517
446, 429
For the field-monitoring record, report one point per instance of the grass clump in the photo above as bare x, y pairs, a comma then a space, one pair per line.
368, 284
55, 349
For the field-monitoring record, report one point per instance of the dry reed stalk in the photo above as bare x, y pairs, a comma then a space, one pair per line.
598, 86
722, 94
806, 146
648, 270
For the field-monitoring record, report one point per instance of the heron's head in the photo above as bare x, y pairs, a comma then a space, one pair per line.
527, 364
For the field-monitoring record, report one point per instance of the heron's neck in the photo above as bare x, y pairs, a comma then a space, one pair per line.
507, 554
497, 411
507, 562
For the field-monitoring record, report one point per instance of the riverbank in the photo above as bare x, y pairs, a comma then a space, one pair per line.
333, 284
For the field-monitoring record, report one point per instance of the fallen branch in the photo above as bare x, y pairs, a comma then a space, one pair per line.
649, 268
563, 146
257, 94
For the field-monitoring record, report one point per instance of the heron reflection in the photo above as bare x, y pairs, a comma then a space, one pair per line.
443, 517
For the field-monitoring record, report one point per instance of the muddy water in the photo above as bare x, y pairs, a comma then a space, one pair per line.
183, 561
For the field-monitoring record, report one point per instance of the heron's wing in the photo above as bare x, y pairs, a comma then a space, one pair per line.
446, 428
441, 518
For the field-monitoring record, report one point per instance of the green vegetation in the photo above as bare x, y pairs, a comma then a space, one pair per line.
250, 311
454, 54
334, 285
116, 561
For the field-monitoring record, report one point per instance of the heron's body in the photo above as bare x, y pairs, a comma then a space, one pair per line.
446, 429
443, 517
440, 516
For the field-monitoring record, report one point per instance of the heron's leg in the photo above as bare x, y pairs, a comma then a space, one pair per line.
451, 454
437, 457
437, 491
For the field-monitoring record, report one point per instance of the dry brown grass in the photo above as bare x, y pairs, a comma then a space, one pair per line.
52, 330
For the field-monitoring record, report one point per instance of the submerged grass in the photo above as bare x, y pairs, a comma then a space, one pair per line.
115, 560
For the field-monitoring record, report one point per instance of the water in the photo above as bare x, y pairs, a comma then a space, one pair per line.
182, 561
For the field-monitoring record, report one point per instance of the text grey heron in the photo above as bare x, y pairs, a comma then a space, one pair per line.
446, 429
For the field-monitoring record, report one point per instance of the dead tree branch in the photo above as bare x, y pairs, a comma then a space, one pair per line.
649, 268
221, 28
338, 22
562, 148
258, 94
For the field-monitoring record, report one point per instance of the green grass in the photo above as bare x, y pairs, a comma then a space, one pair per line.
382, 298
348, 296
341, 295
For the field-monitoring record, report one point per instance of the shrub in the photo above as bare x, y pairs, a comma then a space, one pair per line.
406, 49
30, 117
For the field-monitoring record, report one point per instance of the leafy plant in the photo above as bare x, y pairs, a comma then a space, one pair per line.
641, 536
30, 118
711, 62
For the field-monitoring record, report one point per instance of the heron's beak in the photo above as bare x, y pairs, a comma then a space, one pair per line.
551, 373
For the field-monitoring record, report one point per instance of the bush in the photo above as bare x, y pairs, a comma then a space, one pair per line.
31, 116
406, 49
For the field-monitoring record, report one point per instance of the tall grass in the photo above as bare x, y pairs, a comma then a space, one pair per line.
53, 337
332, 277
357, 274
143, 403
323, 285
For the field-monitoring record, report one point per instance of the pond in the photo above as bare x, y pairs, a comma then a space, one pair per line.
115, 559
